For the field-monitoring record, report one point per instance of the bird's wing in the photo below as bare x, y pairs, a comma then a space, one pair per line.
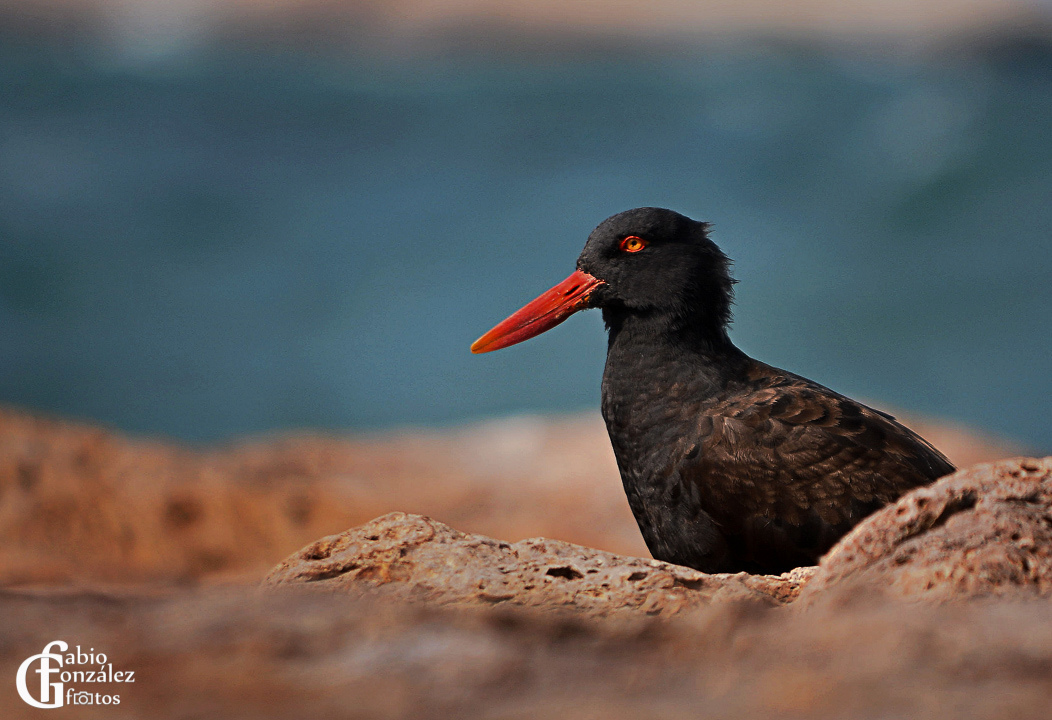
801, 461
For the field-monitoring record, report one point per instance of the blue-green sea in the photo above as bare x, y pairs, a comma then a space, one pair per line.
245, 239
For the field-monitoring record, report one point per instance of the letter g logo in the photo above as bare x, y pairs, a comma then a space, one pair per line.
46, 671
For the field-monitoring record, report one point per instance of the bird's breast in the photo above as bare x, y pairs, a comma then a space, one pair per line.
652, 408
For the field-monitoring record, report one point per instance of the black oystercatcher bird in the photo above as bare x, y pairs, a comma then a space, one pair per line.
729, 464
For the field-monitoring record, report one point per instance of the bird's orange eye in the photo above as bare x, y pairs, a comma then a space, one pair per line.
633, 244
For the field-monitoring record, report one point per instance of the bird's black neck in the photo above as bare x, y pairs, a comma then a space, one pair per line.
688, 339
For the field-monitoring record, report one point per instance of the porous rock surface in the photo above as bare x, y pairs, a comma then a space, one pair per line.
415, 557
982, 531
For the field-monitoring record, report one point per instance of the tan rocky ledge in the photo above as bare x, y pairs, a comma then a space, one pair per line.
983, 531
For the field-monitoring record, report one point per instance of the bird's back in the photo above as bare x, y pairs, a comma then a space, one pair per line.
767, 472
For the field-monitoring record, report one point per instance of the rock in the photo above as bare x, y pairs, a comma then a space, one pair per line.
235, 653
80, 504
83, 505
983, 531
417, 558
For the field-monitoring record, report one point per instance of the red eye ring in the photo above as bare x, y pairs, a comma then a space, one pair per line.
633, 244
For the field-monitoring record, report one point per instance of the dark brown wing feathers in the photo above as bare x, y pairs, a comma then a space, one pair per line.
784, 463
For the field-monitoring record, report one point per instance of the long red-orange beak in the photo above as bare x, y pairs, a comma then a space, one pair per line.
544, 313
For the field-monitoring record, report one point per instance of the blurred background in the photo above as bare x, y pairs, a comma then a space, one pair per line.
225, 217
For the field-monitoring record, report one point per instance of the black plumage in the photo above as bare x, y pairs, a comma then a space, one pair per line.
728, 464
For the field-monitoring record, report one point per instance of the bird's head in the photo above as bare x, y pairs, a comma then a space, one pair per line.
645, 262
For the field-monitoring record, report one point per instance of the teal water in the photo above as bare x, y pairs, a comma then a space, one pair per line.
218, 243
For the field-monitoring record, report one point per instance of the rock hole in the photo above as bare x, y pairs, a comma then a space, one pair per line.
183, 512
331, 572
374, 538
83, 457
689, 584
637, 576
964, 503
319, 552
565, 572
27, 476
298, 509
